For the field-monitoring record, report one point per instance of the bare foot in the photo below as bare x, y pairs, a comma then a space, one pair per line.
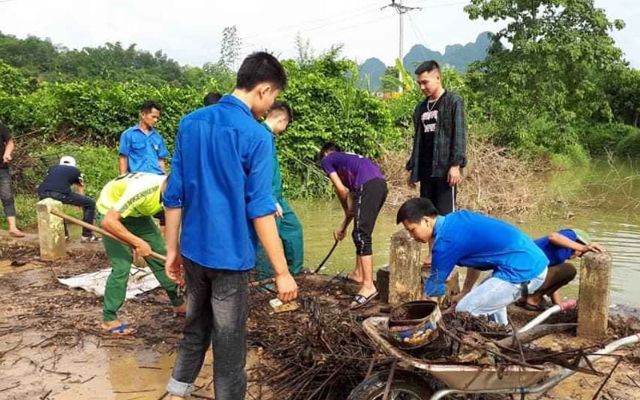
16, 233
117, 328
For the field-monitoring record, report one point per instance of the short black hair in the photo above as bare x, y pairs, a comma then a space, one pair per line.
149, 105
427, 66
211, 98
261, 67
413, 210
329, 146
282, 106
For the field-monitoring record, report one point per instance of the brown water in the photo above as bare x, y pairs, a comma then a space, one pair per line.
602, 200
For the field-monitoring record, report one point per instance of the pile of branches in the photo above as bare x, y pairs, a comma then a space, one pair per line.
494, 182
317, 352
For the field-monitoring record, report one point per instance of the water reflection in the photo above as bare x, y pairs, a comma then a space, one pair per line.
617, 229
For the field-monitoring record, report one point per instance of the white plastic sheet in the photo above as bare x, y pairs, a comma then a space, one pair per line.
140, 280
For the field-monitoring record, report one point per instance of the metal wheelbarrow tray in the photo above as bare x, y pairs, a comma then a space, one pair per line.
486, 379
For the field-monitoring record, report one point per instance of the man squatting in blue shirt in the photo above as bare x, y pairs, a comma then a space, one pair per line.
479, 243
559, 247
220, 190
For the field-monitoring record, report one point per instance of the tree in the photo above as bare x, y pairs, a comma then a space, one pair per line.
544, 70
389, 81
230, 48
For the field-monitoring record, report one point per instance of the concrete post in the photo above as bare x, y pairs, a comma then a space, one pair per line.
50, 230
404, 269
593, 301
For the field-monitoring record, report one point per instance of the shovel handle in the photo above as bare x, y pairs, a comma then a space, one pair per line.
101, 231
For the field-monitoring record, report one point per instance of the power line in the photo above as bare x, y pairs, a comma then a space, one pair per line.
317, 22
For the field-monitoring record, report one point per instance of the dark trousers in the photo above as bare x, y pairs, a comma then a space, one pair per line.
557, 277
217, 308
75, 199
368, 202
440, 193
6, 195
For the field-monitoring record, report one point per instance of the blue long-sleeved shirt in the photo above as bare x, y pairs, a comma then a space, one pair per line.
477, 241
221, 177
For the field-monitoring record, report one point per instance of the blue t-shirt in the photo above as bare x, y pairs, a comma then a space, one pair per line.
143, 151
221, 177
477, 241
354, 170
557, 254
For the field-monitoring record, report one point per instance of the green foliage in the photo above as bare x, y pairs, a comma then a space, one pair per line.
328, 106
622, 87
12, 81
543, 73
600, 138
630, 145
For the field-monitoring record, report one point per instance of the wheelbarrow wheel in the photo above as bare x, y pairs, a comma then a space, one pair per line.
405, 386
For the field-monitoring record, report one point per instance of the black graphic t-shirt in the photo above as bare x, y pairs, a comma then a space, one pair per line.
428, 125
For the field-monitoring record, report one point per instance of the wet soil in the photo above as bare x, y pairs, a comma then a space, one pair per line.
51, 345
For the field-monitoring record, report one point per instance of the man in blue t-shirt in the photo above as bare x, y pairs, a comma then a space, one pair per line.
142, 149
559, 247
357, 177
480, 243
57, 185
220, 191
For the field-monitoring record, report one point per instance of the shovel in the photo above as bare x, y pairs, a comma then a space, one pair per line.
101, 231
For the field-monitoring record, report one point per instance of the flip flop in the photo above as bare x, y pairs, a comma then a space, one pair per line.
122, 329
360, 301
17, 234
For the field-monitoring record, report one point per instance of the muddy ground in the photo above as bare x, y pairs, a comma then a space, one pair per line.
51, 346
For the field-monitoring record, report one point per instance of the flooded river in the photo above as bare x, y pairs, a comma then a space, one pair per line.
603, 200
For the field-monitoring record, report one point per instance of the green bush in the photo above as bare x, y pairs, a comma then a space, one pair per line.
603, 137
630, 145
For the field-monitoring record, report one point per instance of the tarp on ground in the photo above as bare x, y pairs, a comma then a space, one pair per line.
140, 280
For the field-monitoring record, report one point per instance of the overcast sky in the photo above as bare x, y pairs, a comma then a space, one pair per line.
189, 31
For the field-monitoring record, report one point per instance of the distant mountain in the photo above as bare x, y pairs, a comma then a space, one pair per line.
456, 56
370, 73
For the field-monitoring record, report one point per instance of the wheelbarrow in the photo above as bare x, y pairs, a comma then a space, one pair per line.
413, 376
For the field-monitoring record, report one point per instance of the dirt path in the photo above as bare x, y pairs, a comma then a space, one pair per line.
52, 348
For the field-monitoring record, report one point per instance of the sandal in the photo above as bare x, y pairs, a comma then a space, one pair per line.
360, 301
122, 329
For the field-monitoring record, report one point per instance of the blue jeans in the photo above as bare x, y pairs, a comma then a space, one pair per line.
492, 297
217, 308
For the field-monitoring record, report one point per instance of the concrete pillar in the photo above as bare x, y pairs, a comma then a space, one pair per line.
404, 269
593, 301
50, 230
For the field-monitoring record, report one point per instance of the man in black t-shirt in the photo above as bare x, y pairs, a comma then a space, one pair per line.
57, 185
6, 195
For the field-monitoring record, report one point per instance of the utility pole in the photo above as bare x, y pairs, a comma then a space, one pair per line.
401, 10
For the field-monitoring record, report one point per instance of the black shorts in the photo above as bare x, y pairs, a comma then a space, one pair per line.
440, 193
557, 277
367, 203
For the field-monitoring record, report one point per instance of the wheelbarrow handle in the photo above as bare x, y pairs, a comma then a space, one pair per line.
101, 231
